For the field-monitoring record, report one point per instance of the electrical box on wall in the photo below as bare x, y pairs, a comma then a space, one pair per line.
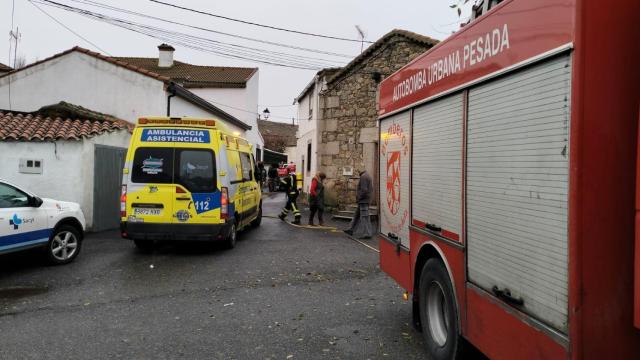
347, 171
30, 166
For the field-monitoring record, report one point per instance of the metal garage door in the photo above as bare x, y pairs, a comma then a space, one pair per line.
437, 165
395, 152
108, 164
517, 182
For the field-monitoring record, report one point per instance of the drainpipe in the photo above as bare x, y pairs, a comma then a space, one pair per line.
172, 93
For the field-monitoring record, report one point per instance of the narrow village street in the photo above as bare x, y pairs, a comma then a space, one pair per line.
283, 292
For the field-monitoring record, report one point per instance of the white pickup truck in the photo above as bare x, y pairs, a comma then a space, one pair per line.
27, 221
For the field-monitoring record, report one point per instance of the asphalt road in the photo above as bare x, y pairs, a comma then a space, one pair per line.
283, 293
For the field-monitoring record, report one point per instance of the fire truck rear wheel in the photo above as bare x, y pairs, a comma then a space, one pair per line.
438, 312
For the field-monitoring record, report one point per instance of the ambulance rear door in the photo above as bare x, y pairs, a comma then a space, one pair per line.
150, 186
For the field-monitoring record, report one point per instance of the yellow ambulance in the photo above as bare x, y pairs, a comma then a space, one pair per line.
188, 179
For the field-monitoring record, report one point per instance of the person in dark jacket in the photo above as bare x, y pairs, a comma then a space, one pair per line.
263, 174
316, 198
361, 224
273, 177
292, 196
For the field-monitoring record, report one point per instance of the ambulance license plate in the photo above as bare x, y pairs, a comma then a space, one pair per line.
144, 211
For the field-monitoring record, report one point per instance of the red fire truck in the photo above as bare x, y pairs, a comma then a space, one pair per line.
507, 164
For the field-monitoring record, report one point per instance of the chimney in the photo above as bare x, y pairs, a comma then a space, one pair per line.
165, 56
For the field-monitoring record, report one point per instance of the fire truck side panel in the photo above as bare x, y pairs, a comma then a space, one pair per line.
636, 311
517, 175
603, 179
437, 166
502, 333
396, 264
395, 155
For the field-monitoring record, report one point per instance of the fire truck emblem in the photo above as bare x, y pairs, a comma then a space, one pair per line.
393, 181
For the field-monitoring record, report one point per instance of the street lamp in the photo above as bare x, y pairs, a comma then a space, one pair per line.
266, 113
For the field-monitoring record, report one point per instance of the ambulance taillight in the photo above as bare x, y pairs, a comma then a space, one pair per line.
224, 203
123, 201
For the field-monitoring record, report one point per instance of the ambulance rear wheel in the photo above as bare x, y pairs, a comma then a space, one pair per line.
232, 237
438, 312
258, 220
145, 246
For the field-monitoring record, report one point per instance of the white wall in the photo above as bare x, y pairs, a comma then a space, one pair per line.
291, 152
83, 80
308, 133
67, 167
181, 107
242, 103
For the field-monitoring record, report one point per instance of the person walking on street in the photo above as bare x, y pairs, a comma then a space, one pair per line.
316, 198
361, 224
292, 195
273, 177
262, 173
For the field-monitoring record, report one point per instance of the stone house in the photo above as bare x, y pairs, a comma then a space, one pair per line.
347, 113
279, 140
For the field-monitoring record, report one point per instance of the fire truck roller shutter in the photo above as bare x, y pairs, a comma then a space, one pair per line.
517, 188
437, 165
395, 155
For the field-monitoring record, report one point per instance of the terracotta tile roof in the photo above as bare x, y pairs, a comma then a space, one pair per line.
277, 134
187, 75
18, 126
194, 76
415, 37
5, 68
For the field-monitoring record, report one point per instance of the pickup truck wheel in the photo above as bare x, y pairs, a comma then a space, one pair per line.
438, 312
232, 237
64, 245
144, 246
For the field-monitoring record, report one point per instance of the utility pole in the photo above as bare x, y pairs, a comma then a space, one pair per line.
362, 36
15, 37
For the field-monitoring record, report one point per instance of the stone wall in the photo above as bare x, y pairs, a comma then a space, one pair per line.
349, 132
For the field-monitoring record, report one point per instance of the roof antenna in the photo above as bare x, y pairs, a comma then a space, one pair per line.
362, 36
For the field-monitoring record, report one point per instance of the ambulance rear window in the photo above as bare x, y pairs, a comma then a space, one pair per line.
195, 170
153, 165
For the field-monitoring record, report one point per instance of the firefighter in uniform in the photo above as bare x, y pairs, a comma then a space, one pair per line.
292, 195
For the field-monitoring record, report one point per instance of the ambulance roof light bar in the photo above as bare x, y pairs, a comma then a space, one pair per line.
176, 121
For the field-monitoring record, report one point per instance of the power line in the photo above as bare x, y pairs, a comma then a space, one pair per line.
69, 29
256, 24
126, 11
202, 44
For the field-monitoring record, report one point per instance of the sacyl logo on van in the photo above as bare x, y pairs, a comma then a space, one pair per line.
15, 221
175, 135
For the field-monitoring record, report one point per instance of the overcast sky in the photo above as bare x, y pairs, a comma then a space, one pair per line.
42, 37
